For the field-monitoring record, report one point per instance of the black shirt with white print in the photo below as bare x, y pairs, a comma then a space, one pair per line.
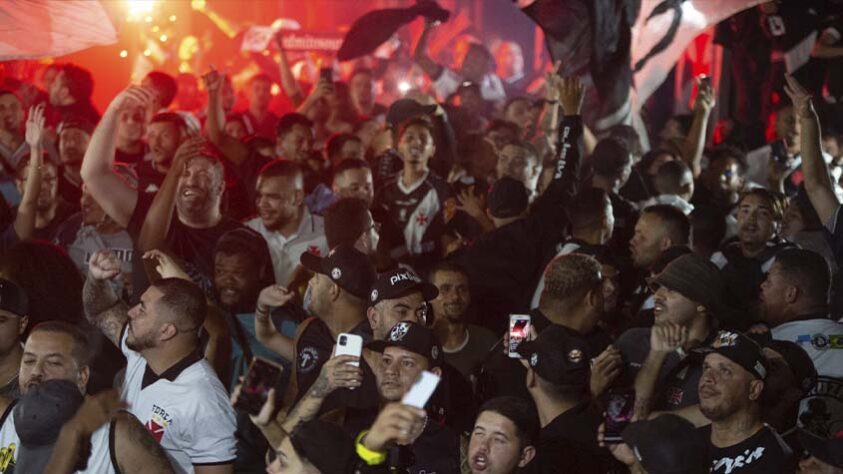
764, 452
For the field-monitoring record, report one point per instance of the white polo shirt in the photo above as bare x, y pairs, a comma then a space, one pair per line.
822, 339
186, 409
286, 251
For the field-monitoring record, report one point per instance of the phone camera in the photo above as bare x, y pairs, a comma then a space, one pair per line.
343, 340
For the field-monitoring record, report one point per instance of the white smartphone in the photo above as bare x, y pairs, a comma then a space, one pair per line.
421, 391
519, 329
349, 344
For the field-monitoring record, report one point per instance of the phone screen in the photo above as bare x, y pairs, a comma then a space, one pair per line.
519, 328
262, 377
619, 413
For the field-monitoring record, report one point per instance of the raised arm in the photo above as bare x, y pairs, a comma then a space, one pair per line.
817, 180
116, 197
272, 297
27, 212
288, 81
692, 149
420, 56
156, 226
231, 148
103, 307
664, 339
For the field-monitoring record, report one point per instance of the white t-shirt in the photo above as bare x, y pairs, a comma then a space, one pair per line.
286, 252
822, 339
186, 410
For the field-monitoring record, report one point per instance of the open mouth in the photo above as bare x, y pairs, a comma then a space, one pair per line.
479, 462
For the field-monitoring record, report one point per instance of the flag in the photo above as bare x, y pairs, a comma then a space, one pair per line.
32, 29
664, 30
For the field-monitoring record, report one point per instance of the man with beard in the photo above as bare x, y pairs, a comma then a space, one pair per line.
74, 137
465, 345
58, 351
729, 391
51, 211
172, 390
689, 293
164, 134
412, 203
283, 219
745, 262
13, 147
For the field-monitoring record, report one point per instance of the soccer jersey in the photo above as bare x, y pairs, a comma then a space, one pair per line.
9, 441
286, 251
186, 409
821, 338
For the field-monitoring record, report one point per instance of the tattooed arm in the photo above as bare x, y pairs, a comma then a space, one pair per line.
103, 307
135, 449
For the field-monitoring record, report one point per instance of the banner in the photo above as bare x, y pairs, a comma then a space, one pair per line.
32, 29
258, 38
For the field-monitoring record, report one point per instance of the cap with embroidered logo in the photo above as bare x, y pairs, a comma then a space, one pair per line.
398, 283
12, 298
346, 266
558, 356
412, 337
742, 350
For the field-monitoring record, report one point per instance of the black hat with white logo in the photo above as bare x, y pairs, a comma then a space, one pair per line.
12, 298
742, 350
346, 266
667, 445
415, 338
558, 356
398, 283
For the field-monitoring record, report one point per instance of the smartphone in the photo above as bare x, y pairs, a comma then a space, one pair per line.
619, 413
422, 390
778, 152
704, 80
262, 376
519, 329
349, 344
326, 74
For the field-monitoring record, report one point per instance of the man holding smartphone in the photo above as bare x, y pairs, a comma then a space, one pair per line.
558, 381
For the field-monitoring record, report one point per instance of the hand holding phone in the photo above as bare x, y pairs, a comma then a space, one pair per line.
263, 375
422, 390
619, 412
519, 329
349, 344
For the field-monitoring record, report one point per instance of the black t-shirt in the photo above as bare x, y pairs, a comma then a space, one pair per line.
63, 212
195, 247
68, 191
764, 452
568, 444
149, 179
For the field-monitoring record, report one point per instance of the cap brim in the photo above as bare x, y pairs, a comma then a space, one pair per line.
526, 348
312, 262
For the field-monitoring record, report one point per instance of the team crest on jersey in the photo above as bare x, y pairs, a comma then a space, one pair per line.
725, 339
7, 458
158, 422
374, 295
307, 359
399, 331
534, 359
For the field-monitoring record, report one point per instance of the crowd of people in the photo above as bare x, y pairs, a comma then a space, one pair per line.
683, 301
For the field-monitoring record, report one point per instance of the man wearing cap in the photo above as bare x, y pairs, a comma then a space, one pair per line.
411, 205
729, 391
14, 310
53, 378
407, 351
399, 295
688, 298
825, 453
558, 381
667, 444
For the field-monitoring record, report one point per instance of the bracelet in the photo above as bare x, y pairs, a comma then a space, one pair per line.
372, 458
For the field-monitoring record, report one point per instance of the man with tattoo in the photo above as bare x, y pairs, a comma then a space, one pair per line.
59, 351
168, 385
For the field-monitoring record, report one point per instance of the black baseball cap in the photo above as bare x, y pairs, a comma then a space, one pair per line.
325, 445
12, 298
404, 109
827, 449
667, 444
558, 356
415, 338
508, 198
400, 282
742, 350
348, 267
800, 363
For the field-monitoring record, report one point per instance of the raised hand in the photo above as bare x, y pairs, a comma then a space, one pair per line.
705, 95
165, 265
35, 126
134, 96
336, 373
273, 296
396, 423
470, 203
668, 337
264, 417
621, 451
104, 265
213, 81
605, 369
800, 97
571, 94
188, 149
